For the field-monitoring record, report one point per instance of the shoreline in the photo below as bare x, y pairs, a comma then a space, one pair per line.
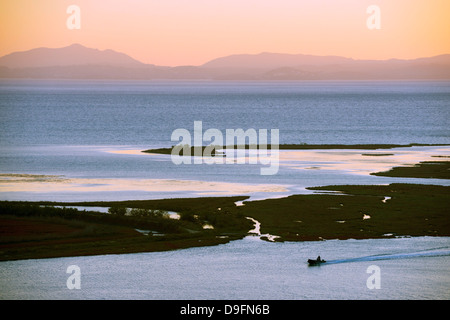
353, 212
424, 169
335, 212
193, 149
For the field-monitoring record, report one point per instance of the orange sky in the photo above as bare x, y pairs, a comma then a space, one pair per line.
192, 32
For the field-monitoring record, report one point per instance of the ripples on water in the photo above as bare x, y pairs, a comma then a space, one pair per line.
434, 252
411, 268
146, 112
69, 129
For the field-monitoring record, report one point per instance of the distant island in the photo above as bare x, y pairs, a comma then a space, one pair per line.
34, 230
301, 146
79, 62
44, 230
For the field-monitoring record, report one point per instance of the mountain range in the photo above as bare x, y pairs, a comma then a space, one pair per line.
79, 62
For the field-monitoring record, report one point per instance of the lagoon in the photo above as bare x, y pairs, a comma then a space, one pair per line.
410, 268
78, 141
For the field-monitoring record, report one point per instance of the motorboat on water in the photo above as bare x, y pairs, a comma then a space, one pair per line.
316, 262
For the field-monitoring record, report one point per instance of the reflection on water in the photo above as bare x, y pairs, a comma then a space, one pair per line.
411, 268
52, 184
97, 174
59, 140
256, 231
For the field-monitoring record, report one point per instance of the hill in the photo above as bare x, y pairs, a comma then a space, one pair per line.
79, 62
75, 54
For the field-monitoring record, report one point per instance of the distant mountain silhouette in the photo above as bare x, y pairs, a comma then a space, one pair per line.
79, 62
269, 61
75, 54
277, 66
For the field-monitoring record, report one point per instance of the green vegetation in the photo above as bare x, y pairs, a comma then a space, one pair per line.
377, 154
426, 169
352, 146
40, 230
191, 151
301, 146
412, 210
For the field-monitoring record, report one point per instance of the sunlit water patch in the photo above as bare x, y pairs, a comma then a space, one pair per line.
410, 268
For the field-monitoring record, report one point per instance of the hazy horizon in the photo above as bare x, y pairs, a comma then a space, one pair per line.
241, 54
178, 32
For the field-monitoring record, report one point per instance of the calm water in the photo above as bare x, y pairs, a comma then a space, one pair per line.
69, 128
415, 268
79, 130
146, 113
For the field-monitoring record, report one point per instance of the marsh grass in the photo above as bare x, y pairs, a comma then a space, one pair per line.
425, 169
41, 230
178, 150
412, 210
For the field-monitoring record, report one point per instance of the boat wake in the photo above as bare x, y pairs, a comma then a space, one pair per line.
435, 252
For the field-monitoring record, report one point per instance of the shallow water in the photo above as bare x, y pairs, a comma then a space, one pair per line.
78, 141
410, 268
89, 135
93, 173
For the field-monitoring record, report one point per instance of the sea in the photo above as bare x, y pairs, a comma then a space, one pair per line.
80, 140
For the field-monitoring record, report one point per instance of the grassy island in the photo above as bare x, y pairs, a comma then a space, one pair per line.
42, 230
426, 169
38, 230
302, 146
358, 212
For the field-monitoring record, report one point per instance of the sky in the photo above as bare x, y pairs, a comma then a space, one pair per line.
193, 32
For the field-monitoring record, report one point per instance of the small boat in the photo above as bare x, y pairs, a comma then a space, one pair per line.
316, 262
